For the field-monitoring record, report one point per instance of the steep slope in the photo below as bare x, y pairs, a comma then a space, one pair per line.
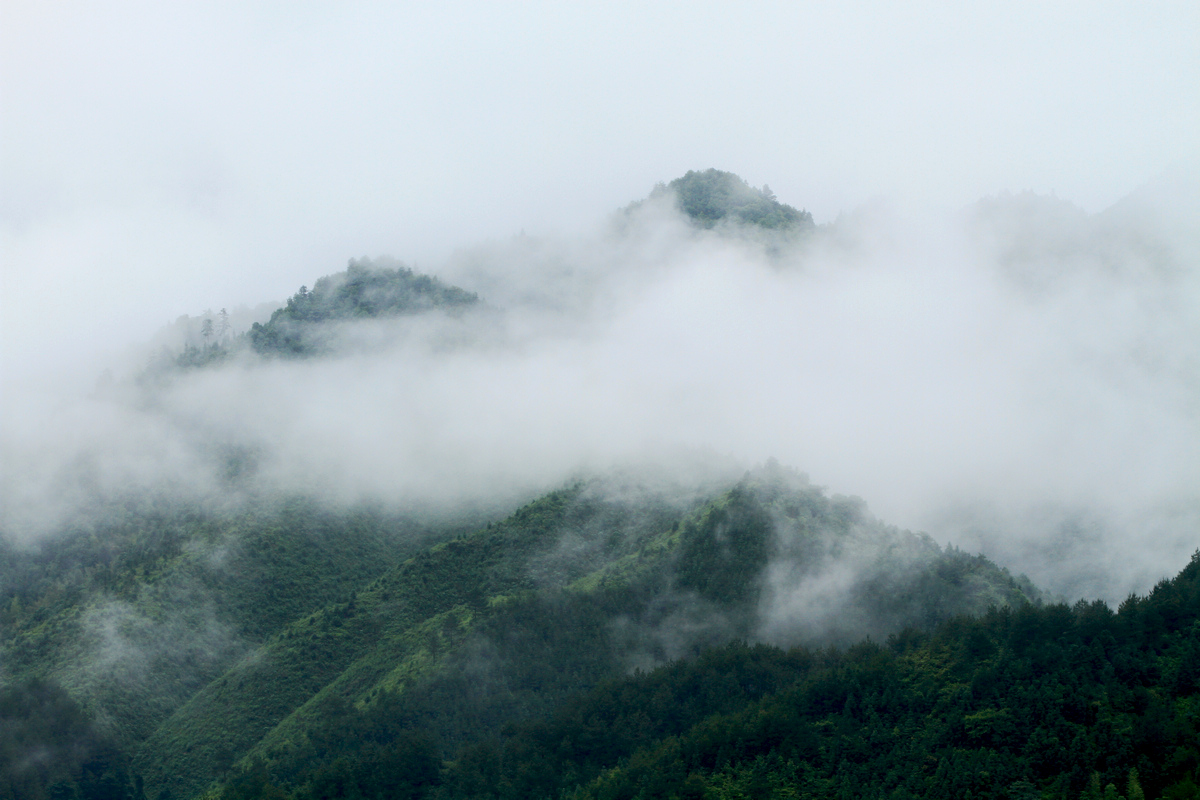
135, 614
390, 629
1035, 701
582, 585
1030, 702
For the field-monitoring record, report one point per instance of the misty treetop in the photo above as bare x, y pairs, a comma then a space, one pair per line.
367, 289
384, 287
379, 288
713, 196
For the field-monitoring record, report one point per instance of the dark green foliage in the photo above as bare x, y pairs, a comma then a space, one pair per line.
723, 551
138, 613
354, 645
202, 356
342, 653
260, 569
563, 596
712, 195
50, 749
1027, 702
1022, 702
616, 719
383, 288
401, 766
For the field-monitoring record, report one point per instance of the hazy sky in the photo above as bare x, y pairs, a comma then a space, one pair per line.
161, 158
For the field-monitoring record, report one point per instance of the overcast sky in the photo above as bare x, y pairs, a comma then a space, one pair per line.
162, 158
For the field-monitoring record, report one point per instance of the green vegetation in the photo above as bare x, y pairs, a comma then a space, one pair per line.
1050, 701
590, 645
713, 196
142, 608
397, 629
1039, 702
297, 648
610, 639
49, 749
307, 325
514, 620
367, 289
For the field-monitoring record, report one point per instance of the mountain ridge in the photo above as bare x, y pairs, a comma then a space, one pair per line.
262, 643
621, 604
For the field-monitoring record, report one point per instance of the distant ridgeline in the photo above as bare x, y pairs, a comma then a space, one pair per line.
711, 197
367, 289
506, 623
384, 287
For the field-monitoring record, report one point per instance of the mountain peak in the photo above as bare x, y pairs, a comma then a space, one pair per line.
711, 196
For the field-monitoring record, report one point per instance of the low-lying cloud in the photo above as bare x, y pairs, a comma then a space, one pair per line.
1000, 379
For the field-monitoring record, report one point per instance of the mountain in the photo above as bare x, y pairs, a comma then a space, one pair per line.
631, 633
712, 196
1036, 701
137, 611
314, 322
319, 321
207, 642
579, 586
366, 290
1144, 242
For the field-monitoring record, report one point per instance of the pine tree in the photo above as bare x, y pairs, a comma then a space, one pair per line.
1133, 789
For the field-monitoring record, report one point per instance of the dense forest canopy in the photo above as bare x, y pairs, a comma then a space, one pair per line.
311, 616
51, 749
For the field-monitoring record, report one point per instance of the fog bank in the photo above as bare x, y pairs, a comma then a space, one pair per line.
1020, 378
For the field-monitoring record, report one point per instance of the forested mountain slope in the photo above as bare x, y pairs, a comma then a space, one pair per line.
142, 607
576, 588
314, 322
334, 588
1049, 701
